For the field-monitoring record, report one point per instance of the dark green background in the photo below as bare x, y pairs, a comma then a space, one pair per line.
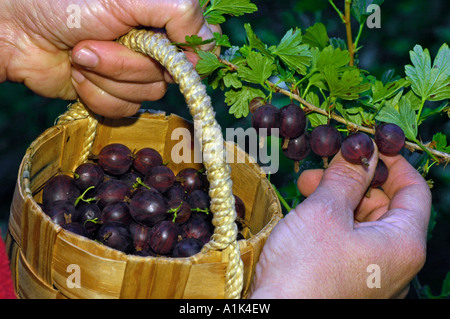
24, 115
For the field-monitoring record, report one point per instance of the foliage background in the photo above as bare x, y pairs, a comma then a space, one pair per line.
404, 23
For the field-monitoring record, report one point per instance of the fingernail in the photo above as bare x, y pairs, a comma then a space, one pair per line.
86, 58
77, 76
205, 32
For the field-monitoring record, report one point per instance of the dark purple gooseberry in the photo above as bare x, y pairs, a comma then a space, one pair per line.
298, 149
60, 187
357, 148
176, 192
164, 237
118, 212
325, 140
200, 203
381, 174
62, 212
197, 228
148, 207
190, 178
87, 175
389, 138
292, 121
180, 210
115, 159
90, 216
160, 177
77, 228
115, 235
266, 116
130, 179
140, 235
145, 159
111, 191
187, 247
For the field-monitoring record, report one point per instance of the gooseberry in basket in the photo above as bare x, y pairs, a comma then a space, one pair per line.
115, 159
60, 187
62, 212
90, 216
160, 177
87, 175
148, 207
187, 247
117, 212
140, 235
145, 159
190, 179
115, 235
77, 228
111, 191
197, 228
176, 192
180, 210
164, 236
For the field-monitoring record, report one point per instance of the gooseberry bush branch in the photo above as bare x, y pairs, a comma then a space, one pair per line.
321, 73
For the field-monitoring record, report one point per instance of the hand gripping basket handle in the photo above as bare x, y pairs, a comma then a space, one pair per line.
158, 47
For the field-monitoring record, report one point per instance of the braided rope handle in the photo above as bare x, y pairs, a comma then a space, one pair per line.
158, 47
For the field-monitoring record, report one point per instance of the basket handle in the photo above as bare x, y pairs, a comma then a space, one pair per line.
158, 47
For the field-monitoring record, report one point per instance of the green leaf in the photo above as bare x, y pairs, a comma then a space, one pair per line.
440, 142
255, 43
430, 82
359, 9
292, 52
259, 68
208, 63
348, 86
316, 36
238, 100
405, 117
215, 12
314, 118
381, 92
222, 40
332, 57
231, 79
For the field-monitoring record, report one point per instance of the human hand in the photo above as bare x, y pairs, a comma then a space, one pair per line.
319, 250
110, 79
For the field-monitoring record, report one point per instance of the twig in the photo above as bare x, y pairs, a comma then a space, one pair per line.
348, 29
350, 125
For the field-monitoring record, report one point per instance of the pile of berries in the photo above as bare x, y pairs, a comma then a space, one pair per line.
132, 202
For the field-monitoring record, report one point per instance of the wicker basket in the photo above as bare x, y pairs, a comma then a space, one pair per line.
41, 252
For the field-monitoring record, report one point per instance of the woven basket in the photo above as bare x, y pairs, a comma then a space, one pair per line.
42, 252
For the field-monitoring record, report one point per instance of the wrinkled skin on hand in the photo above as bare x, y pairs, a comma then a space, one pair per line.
59, 61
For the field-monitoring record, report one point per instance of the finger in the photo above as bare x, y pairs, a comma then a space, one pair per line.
179, 17
409, 192
341, 189
132, 92
113, 60
99, 101
371, 207
308, 181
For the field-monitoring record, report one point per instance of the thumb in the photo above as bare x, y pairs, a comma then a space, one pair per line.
341, 189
